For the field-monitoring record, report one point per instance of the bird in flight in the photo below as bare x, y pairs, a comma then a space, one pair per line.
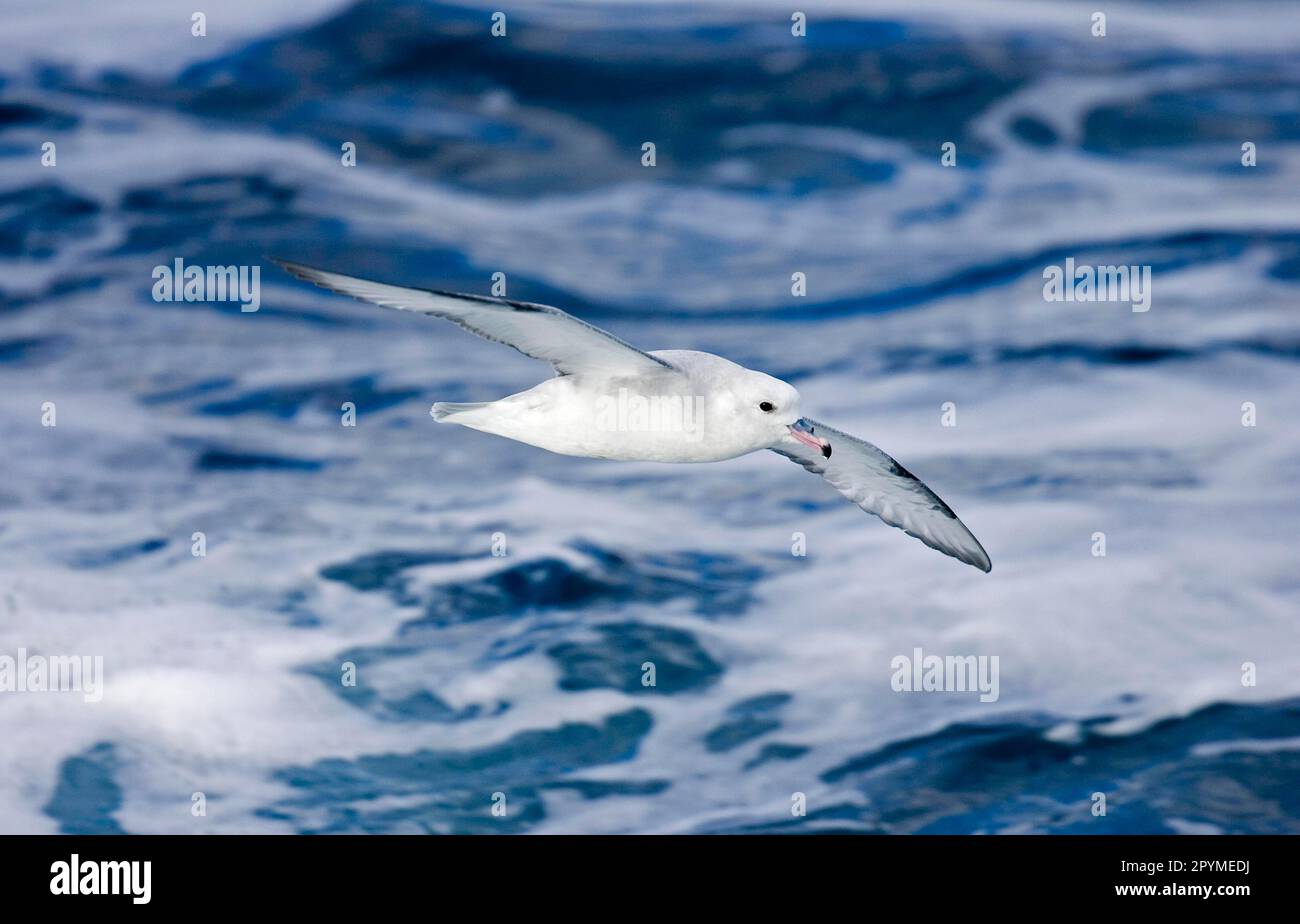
609, 400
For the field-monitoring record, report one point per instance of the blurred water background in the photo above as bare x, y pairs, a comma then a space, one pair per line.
522, 674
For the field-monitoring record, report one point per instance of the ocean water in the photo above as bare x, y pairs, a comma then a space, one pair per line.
522, 674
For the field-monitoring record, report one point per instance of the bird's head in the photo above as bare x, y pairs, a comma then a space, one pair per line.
770, 408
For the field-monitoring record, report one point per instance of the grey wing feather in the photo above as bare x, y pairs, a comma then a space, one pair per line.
540, 331
876, 483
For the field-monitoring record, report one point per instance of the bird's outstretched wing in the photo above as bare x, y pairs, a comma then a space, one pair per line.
879, 485
540, 331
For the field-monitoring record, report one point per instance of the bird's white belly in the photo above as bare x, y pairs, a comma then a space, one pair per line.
612, 421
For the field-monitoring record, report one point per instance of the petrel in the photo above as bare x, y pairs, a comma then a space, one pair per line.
685, 406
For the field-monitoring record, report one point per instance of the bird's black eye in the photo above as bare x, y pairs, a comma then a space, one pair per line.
766, 406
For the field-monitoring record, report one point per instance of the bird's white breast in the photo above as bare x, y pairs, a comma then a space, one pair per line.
658, 418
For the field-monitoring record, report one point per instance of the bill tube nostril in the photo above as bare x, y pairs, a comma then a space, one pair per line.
803, 431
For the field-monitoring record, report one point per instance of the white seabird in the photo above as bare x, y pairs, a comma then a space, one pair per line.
723, 410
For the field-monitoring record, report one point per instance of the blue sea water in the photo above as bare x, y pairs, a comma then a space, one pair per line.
522, 674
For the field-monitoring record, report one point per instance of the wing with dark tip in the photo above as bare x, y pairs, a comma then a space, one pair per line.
540, 331
879, 485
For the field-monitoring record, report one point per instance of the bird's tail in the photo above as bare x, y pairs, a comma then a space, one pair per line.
447, 410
